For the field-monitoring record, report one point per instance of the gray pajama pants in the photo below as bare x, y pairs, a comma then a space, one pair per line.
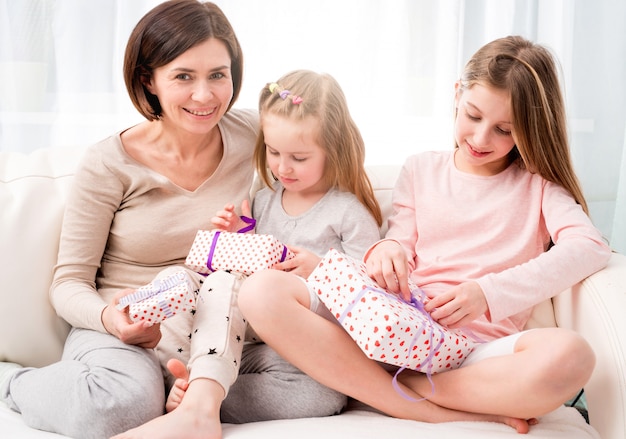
100, 387
103, 386
269, 388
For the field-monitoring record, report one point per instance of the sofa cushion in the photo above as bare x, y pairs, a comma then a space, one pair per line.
33, 189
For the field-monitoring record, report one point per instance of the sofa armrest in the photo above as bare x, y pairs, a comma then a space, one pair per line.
595, 309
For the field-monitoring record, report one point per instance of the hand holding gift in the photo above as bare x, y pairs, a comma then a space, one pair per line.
160, 299
228, 221
245, 253
384, 326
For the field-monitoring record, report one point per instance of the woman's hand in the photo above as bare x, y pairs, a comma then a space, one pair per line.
458, 306
228, 221
118, 323
302, 264
387, 264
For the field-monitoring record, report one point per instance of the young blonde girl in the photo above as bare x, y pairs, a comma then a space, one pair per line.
488, 230
310, 155
317, 196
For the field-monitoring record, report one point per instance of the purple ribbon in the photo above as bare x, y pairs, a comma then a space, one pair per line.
212, 250
164, 305
423, 326
154, 288
250, 221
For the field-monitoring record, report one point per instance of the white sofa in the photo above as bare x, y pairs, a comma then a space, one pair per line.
32, 195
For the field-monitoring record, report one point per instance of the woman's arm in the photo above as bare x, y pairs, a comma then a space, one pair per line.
90, 208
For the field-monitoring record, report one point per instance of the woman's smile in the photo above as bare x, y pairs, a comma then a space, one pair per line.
200, 113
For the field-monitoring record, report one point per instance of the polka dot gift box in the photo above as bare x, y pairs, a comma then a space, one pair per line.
161, 299
240, 252
384, 326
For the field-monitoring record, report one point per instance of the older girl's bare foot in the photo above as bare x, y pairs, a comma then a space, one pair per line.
522, 426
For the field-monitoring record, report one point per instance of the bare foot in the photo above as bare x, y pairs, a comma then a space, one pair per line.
196, 417
180, 372
522, 426
175, 425
429, 411
440, 411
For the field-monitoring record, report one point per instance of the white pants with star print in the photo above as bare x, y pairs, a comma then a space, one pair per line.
209, 339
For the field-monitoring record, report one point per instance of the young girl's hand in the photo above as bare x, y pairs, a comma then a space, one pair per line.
228, 221
458, 306
387, 264
302, 264
119, 324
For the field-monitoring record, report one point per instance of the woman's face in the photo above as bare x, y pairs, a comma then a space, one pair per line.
196, 88
483, 130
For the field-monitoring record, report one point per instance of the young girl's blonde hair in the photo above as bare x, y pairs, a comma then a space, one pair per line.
302, 94
527, 71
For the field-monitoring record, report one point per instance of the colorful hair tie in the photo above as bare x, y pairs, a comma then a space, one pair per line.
284, 93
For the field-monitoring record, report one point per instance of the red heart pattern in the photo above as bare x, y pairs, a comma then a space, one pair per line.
410, 338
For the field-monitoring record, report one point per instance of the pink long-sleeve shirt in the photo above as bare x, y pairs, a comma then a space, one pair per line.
495, 230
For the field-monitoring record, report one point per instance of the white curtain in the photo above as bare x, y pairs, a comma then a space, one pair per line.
61, 71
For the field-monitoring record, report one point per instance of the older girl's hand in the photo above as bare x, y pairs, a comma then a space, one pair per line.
118, 323
387, 264
302, 264
458, 306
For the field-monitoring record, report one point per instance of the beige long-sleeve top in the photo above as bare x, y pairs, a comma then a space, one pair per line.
124, 222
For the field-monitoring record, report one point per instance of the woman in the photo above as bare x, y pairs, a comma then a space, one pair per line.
139, 198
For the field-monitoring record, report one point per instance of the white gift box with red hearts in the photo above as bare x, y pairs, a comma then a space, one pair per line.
386, 328
245, 253
161, 299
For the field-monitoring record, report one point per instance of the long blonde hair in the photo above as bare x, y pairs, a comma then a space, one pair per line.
322, 98
527, 71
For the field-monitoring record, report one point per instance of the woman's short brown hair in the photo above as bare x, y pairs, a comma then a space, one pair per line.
163, 34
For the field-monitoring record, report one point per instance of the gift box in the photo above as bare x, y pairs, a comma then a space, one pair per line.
384, 326
161, 299
239, 252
